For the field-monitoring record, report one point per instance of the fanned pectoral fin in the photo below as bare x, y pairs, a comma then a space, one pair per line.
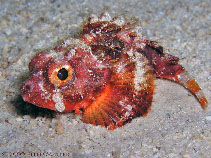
104, 110
114, 107
120, 101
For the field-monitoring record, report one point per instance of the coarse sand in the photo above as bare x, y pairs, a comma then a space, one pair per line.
176, 126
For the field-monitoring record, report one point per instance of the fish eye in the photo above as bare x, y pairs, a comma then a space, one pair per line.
60, 73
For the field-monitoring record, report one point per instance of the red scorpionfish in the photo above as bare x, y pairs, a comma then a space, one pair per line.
106, 74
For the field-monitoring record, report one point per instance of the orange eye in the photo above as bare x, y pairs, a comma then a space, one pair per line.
59, 74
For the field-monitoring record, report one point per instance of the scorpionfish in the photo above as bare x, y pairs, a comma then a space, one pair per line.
106, 74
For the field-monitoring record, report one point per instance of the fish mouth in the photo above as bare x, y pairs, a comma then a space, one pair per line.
32, 93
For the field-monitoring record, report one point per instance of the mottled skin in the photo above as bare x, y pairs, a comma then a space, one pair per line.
107, 74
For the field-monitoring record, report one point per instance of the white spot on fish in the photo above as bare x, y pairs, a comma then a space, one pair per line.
119, 21
58, 100
94, 18
106, 17
140, 70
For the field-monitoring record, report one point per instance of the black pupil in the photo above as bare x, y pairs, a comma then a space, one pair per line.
62, 74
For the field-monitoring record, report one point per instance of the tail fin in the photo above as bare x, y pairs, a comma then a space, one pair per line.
166, 66
188, 82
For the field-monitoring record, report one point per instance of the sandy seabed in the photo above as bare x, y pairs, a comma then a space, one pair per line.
175, 127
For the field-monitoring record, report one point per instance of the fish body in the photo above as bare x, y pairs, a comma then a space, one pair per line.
106, 74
